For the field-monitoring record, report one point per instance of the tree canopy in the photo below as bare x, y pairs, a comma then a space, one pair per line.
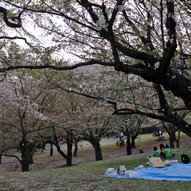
149, 39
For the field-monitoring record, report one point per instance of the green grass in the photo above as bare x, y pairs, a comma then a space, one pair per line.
87, 177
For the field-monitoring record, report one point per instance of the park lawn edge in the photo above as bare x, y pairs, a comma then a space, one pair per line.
88, 177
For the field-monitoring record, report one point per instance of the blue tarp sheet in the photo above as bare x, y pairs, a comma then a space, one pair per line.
174, 172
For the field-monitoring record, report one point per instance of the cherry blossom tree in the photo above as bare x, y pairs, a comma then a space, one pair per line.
149, 39
130, 126
23, 115
64, 124
94, 126
122, 92
82, 118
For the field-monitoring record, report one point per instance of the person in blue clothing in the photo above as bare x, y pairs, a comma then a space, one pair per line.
157, 152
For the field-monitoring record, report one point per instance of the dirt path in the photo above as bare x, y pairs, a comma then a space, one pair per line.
85, 155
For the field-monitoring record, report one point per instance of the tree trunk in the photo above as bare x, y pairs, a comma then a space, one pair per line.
98, 153
25, 164
27, 150
0, 158
128, 145
96, 145
26, 161
75, 148
43, 145
67, 157
133, 142
128, 141
171, 142
178, 140
171, 130
51, 149
69, 161
69, 142
172, 138
69, 152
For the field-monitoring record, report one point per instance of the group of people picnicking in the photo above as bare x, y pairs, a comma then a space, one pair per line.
163, 152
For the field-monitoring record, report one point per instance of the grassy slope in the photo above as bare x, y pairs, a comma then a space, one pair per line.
86, 177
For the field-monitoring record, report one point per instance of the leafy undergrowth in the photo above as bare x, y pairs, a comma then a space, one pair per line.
86, 177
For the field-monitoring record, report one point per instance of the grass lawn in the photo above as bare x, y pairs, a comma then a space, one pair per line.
86, 177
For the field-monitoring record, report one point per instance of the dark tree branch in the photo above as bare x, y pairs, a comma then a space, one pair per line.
162, 100
180, 123
32, 67
7, 155
15, 38
114, 13
136, 54
178, 84
8, 23
171, 43
161, 23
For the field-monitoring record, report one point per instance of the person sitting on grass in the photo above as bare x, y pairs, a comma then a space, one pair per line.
156, 152
162, 147
168, 152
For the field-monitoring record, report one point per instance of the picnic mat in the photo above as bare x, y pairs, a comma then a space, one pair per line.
174, 172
